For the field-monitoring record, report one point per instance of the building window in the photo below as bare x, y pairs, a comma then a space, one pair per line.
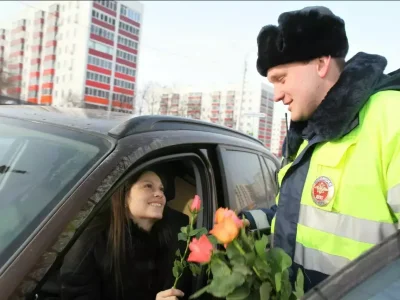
127, 42
130, 14
129, 28
109, 4
98, 77
125, 70
122, 98
101, 47
102, 32
96, 92
126, 56
124, 84
103, 17
99, 62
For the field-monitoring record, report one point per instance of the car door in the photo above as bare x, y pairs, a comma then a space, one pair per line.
375, 276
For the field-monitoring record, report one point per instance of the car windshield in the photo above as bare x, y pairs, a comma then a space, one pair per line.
39, 167
383, 285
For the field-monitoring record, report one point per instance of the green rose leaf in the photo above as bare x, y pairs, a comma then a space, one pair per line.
182, 236
265, 290
198, 232
195, 269
242, 269
223, 286
178, 266
299, 285
286, 289
184, 229
279, 259
261, 247
232, 251
212, 239
178, 253
263, 268
239, 293
219, 268
250, 258
278, 281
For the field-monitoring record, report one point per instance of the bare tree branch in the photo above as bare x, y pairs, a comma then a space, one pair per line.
73, 100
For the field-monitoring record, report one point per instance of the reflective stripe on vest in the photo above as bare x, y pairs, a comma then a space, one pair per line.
313, 259
361, 230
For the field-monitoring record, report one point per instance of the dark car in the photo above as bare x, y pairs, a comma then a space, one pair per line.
375, 275
6, 100
58, 167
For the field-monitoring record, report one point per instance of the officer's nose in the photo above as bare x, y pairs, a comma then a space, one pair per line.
278, 95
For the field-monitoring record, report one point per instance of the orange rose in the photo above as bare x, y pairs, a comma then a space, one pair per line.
223, 213
225, 231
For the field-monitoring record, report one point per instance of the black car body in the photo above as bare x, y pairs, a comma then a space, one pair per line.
58, 167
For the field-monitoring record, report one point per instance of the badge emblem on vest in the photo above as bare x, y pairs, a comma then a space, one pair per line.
322, 191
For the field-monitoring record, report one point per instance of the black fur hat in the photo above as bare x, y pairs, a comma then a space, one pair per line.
300, 36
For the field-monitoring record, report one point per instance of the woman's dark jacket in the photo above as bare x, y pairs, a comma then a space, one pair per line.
147, 271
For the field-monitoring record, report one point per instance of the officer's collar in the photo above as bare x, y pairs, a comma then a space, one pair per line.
338, 112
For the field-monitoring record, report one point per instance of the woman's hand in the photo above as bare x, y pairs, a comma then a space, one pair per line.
171, 294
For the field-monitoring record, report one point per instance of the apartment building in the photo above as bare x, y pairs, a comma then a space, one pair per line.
250, 110
278, 136
75, 53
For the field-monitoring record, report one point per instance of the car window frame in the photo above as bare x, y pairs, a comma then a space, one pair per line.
203, 189
359, 270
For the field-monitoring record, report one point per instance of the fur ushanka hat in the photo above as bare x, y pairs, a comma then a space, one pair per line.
300, 36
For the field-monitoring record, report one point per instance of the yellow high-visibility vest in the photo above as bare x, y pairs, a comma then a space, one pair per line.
351, 196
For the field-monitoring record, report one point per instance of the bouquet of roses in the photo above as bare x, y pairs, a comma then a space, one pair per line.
239, 262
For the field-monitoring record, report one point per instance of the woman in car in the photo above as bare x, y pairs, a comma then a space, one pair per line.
128, 251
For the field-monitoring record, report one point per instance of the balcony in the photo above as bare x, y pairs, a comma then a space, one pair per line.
103, 8
51, 43
38, 34
18, 29
103, 24
17, 42
38, 21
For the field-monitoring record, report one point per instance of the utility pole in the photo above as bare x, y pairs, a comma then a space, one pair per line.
241, 98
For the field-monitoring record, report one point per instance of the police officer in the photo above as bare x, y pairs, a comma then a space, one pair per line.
339, 194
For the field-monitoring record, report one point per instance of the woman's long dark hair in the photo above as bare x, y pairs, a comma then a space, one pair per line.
117, 221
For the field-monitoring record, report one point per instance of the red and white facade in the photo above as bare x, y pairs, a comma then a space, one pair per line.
76, 53
278, 136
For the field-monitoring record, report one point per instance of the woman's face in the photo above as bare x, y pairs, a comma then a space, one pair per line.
146, 199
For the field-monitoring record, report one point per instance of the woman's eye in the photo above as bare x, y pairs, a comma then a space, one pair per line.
148, 186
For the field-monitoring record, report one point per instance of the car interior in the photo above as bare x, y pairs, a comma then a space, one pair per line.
180, 189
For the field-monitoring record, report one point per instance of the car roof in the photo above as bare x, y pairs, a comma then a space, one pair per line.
114, 124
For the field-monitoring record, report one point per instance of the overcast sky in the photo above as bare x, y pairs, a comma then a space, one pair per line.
207, 41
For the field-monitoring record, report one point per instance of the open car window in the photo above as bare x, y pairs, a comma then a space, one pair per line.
374, 276
39, 165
